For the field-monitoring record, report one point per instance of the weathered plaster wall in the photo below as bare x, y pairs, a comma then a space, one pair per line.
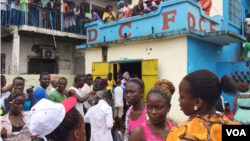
66, 52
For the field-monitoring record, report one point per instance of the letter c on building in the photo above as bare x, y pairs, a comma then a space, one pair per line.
92, 30
120, 30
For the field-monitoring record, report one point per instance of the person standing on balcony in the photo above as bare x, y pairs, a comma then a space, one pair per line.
87, 14
77, 14
71, 13
109, 15
138, 9
82, 15
15, 12
95, 16
120, 8
127, 10
56, 14
34, 6
247, 27
66, 20
4, 12
148, 6
206, 5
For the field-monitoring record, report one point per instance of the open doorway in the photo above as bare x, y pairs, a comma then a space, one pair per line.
132, 68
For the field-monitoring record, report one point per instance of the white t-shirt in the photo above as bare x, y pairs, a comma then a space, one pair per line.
127, 8
3, 5
15, 5
85, 90
247, 20
149, 8
100, 118
79, 106
76, 12
119, 93
4, 95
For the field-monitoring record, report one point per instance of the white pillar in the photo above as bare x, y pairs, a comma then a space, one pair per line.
15, 53
90, 7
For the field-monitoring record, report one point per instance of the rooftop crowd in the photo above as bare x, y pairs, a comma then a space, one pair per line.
95, 107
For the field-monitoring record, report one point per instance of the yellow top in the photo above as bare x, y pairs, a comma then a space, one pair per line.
201, 127
111, 83
110, 18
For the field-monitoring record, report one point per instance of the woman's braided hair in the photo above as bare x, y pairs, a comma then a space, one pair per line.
71, 121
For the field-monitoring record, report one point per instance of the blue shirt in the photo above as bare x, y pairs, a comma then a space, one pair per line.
40, 93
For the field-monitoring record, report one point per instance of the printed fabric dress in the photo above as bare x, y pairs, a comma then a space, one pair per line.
201, 127
243, 113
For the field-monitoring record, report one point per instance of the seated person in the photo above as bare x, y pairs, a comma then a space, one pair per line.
138, 9
94, 16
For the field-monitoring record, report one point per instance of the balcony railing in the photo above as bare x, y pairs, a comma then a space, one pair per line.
40, 17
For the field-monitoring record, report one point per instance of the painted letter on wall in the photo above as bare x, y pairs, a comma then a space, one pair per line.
202, 19
189, 24
166, 19
91, 40
120, 30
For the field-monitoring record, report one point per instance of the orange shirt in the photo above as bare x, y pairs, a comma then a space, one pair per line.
206, 5
201, 127
64, 6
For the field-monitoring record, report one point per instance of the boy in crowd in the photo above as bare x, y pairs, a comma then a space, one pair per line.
111, 82
88, 87
119, 93
54, 86
40, 91
59, 94
74, 92
95, 84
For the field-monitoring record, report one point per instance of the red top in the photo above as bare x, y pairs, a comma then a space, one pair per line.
206, 5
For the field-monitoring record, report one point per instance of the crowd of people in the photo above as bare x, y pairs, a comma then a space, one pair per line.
91, 107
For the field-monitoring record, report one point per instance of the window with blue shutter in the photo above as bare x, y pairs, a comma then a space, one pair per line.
235, 11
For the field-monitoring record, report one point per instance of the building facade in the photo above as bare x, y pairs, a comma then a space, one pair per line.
169, 43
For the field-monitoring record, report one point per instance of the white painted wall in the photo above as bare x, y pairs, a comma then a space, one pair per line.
66, 52
217, 8
172, 62
92, 55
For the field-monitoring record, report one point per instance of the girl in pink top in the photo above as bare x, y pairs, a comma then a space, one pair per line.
158, 105
228, 112
136, 114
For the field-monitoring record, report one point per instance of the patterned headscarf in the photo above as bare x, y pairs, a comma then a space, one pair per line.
163, 87
126, 75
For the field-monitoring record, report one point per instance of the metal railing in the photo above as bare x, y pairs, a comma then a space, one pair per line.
32, 15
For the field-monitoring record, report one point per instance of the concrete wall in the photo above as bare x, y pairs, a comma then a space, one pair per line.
66, 52
33, 80
172, 62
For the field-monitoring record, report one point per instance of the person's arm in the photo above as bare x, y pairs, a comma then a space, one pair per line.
120, 16
235, 104
33, 100
80, 99
137, 134
8, 88
66, 93
113, 16
109, 118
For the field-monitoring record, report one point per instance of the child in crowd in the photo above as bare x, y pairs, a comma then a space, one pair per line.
119, 93
71, 13
228, 112
54, 86
111, 82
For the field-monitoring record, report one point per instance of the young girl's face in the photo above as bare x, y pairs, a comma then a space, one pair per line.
77, 7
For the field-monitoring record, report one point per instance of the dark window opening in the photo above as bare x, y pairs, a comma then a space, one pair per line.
2, 63
37, 66
131, 68
115, 72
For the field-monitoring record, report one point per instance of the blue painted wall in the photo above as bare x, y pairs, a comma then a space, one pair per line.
202, 55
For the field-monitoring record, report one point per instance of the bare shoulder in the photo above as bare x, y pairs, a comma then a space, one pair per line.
137, 134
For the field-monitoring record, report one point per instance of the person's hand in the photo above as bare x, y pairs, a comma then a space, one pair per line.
3, 133
92, 93
17, 91
66, 93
